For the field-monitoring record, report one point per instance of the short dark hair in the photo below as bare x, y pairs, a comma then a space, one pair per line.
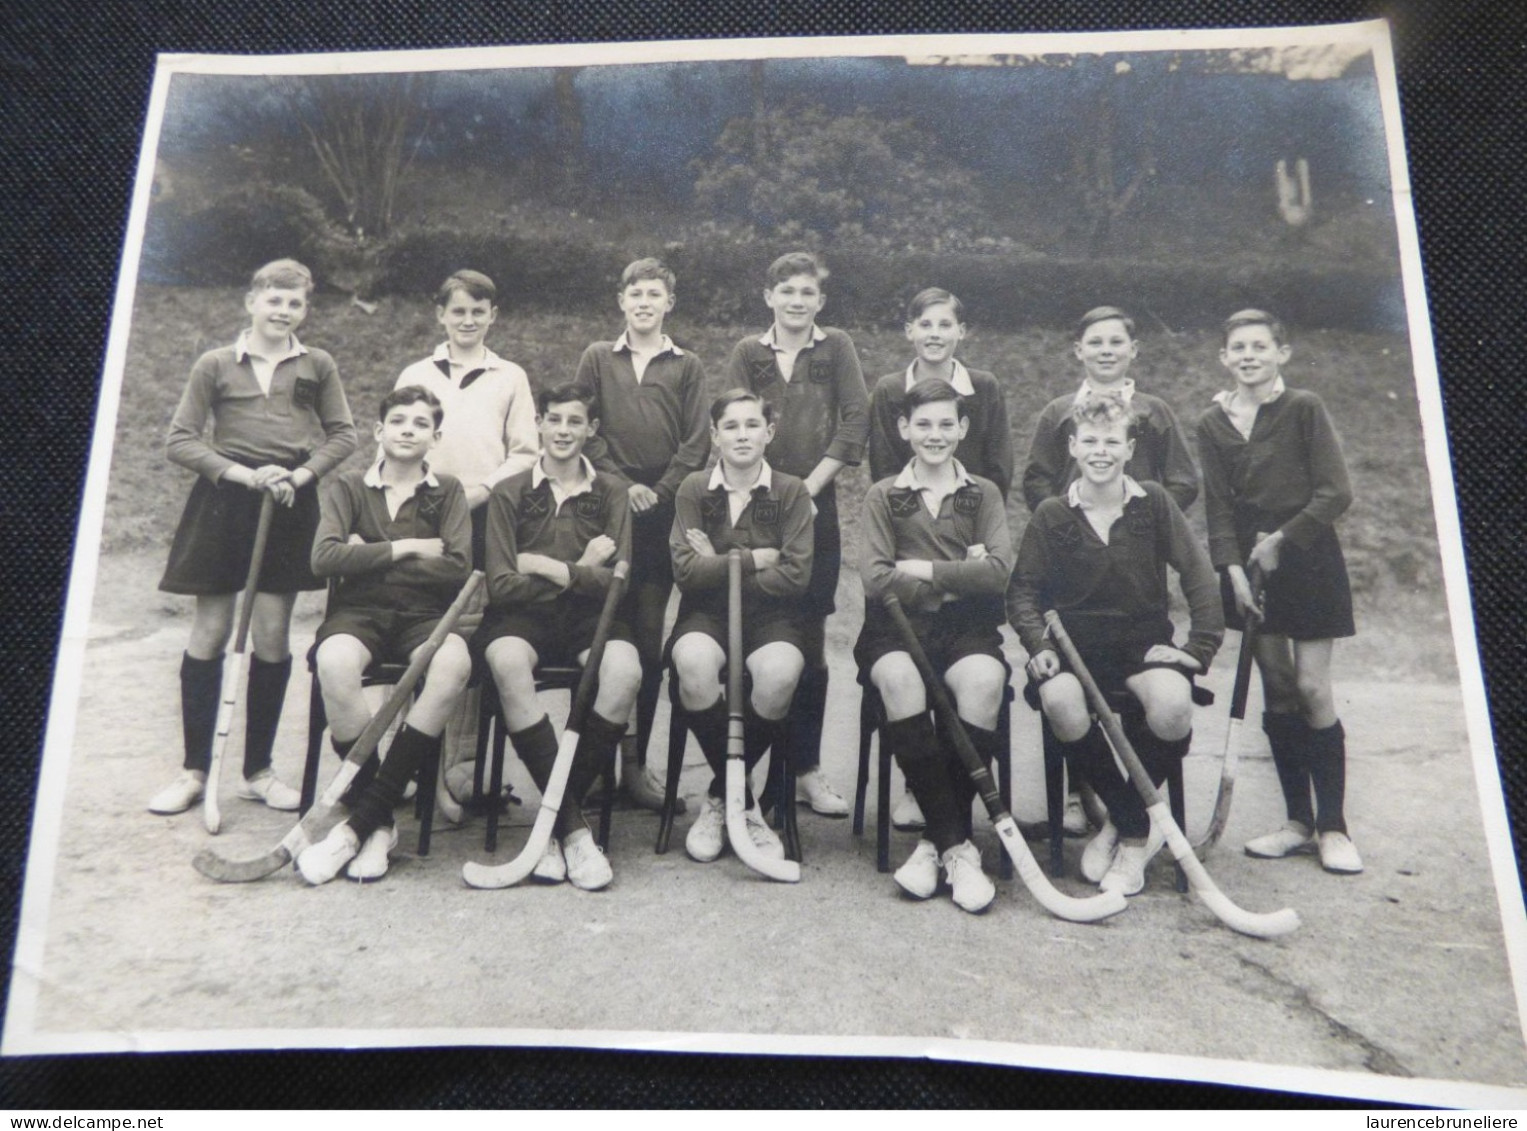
1104, 412
565, 393
477, 286
932, 296
284, 274
1253, 317
727, 399
1103, 314
411, 394
795, 263
649, 268
935, 390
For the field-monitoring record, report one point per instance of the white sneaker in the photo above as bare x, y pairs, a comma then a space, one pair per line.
1074, 822
971, 888
182, 793
587, 868
1098, 856
1338, 854
1126, 875
319, 863
551, 868
918, 877
276, 794
370, 862
812, 788
1291, 838
762, 835
707, 835
907, 815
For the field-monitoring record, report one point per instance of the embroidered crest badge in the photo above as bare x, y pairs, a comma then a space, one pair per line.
766, 511
536, 504
430, 504
590, 506
967, 500
713, 508
1067, 537
904, 503
304, 392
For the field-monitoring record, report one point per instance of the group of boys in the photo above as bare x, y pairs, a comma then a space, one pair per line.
547, 494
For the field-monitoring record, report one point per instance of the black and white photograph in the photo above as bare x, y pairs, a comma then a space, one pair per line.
924, 546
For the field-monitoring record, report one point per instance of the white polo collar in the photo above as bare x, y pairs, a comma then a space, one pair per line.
373, 476
490, 360
767, 338
664, 346
1226, 396
538, 476
765, 478
908, 477
1123, 394
960, 379
241, 347
1132, 490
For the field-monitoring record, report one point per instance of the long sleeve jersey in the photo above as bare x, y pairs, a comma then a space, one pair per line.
654, 431
1161, 452
986, 450
778, 516
1064, 565
1288, 476
526, 516
489, 430
304, 421
823, 410
353, 503
898, 526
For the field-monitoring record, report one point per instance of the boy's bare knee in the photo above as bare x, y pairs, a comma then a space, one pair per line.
340, 662
1065, 706
621, 668
900, 686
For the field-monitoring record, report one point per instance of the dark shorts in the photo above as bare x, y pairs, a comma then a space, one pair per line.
959, 629
1308, 597
558, 630
389, 635
215, 538
1114, 648
651, 558
763, 622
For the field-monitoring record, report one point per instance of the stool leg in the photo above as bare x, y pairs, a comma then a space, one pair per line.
487, 723
317, 721
429, 775
787, 787
1055, 796
883, 800
1179, 813
866, 737
678, 732
607, 804
495, 782
1005, 775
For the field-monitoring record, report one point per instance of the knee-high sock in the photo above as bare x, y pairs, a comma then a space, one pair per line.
759, 736
920, 754
201, 691
596, 741
709, 728
267, 692
809, 709
373, 809
1288, 735
1328, 774
536, 747
646, 707
1092, 761
1158, 755
989, 745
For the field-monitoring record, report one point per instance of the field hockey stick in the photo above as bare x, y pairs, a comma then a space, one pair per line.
1238, 696
787, 871
1264, 926
227, 871
233, 669
491, 876
1049, 897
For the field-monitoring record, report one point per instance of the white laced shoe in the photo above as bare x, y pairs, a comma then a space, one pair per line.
1291, 838
319, 863
707, 835
551, 868
1126, 875
1098, 856
274, 792
587, 867
370, 862
918, 877
182, 793
812, 788
762, 836
973, 891
1338, 854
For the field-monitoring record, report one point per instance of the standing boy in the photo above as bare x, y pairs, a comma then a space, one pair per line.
651, 398
555, 533
280, 421
1098, 557
489, 432
397, 537
936, 536
812, 377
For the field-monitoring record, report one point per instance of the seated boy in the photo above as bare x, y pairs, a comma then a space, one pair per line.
651, 396
1098, 557
936, 536
555, 533
742, 503
397, 537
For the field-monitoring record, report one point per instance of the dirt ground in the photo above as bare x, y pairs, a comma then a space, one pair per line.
1399, 972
